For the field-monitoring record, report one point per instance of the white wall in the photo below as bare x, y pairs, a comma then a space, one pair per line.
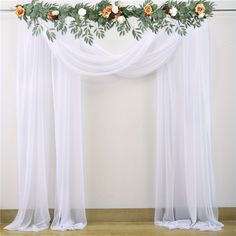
119, 157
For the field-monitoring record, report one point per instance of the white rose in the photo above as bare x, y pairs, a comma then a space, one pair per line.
55, 13
115, 9
121, 19
201, 15
82, 12
173, 11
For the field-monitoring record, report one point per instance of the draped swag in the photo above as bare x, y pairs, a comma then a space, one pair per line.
49, 76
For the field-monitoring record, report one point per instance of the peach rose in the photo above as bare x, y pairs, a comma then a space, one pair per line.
20, 10
106, 11
200, 8
148, 10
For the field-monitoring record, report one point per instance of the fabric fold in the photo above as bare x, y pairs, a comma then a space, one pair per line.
185, 193
187, 224
50, 115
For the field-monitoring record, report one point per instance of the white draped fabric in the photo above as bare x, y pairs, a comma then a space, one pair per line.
184, 173
49, 75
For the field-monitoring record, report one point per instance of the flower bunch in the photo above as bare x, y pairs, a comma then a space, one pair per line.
88, 21
113, 12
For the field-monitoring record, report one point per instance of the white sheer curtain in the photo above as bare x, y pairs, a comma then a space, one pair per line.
185, 183
49, 115
34, 136
184, 175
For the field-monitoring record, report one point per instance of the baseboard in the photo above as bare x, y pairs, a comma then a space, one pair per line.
121, 215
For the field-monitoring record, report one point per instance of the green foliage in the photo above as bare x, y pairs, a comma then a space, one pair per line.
37, 28
123, 28
50, 34
137, 33
99, 32
93, 24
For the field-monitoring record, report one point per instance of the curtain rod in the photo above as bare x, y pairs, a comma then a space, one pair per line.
226, 9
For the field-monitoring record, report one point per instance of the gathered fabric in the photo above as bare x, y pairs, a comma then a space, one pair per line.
50, 127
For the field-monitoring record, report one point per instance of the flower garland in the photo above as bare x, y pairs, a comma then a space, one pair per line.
89, 21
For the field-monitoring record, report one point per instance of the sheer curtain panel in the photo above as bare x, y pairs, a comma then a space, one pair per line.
50, 115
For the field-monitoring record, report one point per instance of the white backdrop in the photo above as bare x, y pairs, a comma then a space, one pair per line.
132, 104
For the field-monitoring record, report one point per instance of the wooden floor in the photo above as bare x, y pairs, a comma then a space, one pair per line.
126, 228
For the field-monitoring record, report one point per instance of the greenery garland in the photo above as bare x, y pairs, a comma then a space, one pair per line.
89, 21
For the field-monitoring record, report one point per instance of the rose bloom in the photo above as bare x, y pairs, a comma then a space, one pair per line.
166, 8
51, 16
55, 13
200, 8
106, 11
82, 12
173, 11
20, 10
148, 10
121, 19
115, 9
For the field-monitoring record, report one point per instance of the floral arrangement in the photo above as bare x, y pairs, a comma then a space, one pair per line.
89, 21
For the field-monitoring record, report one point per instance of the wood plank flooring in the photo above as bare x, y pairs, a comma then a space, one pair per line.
127, 229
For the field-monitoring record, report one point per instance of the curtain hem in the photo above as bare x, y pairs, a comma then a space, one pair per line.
32, 228
188, 224
65, 227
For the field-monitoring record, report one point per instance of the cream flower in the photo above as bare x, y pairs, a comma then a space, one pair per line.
115, 9
55, 13
173, 11
82, 12
121, 19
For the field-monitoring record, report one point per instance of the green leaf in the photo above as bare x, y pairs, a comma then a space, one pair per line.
137, 34
51, 35
37, 29
99, 32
